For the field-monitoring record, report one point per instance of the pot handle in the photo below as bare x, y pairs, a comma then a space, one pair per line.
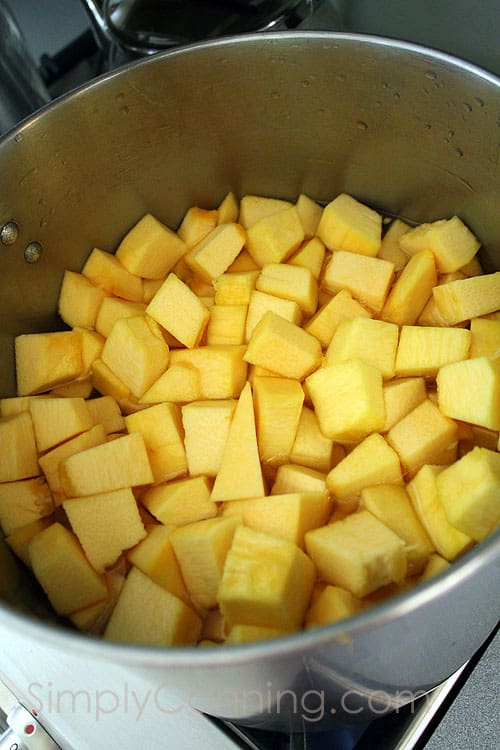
25, 732
104, 37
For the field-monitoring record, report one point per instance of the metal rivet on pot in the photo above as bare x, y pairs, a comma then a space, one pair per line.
9, 233
33, 252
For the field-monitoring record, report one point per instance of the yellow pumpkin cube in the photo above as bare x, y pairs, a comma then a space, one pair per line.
369, 463
372, 341
348, 224
105, 271
148, 614
450, 240
348, 399
58, 419
201, 548
260, 303
391, 504
292, 282
196, 224
368, 279
210, 257
114, 308
24, 501
206, 430
333, 603
412, 289
179, 383
106, 524
255, 207
250, 633
107, 383
178, 309
150, 249
463, 299
470, 390
295, 478
424, 436
358, 553
180, 501
273, 238
79, 300
287, 516
423, 350
311, 447
310, 214
226, 326
105, 410
161, 427
401, 396
266, 581
63, 571
485, 338
155, 556
45, 360
310, 255
278, 406
19, 456
281, 346
234, 288
436, 564
469, 491
339, 308
448, 541
119, 463
228, 209
19, 539
390, 248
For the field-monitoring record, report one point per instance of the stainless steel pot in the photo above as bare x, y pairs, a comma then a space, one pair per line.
412, 132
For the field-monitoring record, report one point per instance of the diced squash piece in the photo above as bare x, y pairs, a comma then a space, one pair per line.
372, 341
58, 419
310, 214
234, 288
310, 255
147, 614
359, 553
286, 516
222, 369
24, 501
463, 299
348, 399
260, 303
106, 382
412, 289
105, 271
436, 564
391, 504
228, 209
368, 279
424, 436
106, 524
295, 478
44, 360
79, 300
485, 338
16, 404
311, 447
469, 492
214, 626
20, 538
347, 224
249, 633
161, 427
63, 571
470, 390
390, 249
206, 430
210, 257
201, 548
180, 501
196, 224
77, 389
149, 288
155, 556
255, 207
273, 238
18, 457
92, 346
339, 308
105, 410
50, 460
278, 406
401, 396
333, 603
226, 326
136, 352
122, 462
93, 619
279, 345
178, 309
293, 282
422, 490
240, 473
114, 308
423, 350
266, 581
369, 463
179, 383
150, 249
450, 240
243, 263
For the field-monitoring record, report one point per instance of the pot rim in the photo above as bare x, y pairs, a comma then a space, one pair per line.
303, 641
